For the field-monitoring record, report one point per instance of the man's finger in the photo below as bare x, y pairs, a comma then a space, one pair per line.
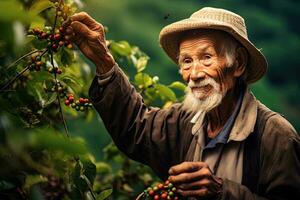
186, 167
84, 18
82, 30
195, 185
187, 177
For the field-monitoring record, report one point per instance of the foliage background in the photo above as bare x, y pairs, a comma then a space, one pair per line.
272, 26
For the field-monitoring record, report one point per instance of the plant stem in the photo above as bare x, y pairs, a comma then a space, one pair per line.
21, 58
55, 77
58, 97
8, 83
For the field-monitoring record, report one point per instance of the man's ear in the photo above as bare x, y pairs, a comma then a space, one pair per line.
241, 61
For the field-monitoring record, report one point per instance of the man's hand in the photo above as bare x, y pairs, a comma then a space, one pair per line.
89, 36
195, 179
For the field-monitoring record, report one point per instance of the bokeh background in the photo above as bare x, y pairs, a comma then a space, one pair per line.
272, 26
29, 117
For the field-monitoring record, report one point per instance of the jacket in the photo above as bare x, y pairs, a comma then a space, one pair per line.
160, 138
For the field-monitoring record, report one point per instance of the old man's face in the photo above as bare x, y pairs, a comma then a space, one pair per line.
206, 65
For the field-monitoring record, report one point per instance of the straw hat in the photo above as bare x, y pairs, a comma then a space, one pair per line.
218, 19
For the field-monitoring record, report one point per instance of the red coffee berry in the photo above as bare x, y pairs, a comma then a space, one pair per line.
81, 100
57, 36
156, 197
51, 37
61, 29
54, 47
58, 71
176, 198
71, 98
167, 182
43, 35
67, 102
151, 192
160, 186
164, 195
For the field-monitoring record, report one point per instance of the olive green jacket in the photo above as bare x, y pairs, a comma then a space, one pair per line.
161, 138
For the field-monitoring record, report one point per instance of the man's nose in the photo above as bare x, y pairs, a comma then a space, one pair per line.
197, 73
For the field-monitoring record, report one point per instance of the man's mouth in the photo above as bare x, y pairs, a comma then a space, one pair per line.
201, 89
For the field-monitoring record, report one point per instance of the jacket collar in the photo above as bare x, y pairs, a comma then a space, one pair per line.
244, 122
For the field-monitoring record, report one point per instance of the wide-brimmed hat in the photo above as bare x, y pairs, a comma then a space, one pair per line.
217, 19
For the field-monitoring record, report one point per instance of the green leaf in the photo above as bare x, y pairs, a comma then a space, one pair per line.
141, 63
75, 194
121, 48
66, 56
103, 167
104, 194
12, 10
36, 193
33, 179
165, 93
89, 170
177, 85
51, 99
143, 80
4, 185
40, 5
77, 170
81, 183
37, 23
57, 142
70, 80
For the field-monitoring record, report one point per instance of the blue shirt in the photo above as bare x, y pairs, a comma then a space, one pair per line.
223, 135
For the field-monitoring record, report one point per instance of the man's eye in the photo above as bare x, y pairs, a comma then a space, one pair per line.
187, 60
207, 56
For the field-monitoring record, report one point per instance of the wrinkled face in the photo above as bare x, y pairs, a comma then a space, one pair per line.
203, 65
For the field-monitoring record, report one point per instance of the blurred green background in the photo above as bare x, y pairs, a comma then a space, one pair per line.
272, 26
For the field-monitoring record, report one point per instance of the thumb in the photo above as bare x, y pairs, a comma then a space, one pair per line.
82, 30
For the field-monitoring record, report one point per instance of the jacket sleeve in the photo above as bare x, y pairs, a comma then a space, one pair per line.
145, 134
279, 176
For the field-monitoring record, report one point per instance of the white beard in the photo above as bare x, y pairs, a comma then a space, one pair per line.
195, 102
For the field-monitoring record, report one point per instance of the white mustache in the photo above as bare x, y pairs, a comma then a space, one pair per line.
208, 81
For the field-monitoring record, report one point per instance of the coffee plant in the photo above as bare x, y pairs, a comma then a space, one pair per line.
43, 87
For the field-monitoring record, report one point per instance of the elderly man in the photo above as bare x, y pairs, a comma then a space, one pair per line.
220, 143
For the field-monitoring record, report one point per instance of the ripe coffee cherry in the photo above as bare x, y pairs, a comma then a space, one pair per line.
160, 186
61, 29
54, 47
151, 192
57, 36
164, 195
67, 102
58, 71
43, 35
71, 98
156, 197
51, 37
81, 100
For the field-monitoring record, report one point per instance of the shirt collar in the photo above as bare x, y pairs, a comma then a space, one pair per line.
243, 122
223, 135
